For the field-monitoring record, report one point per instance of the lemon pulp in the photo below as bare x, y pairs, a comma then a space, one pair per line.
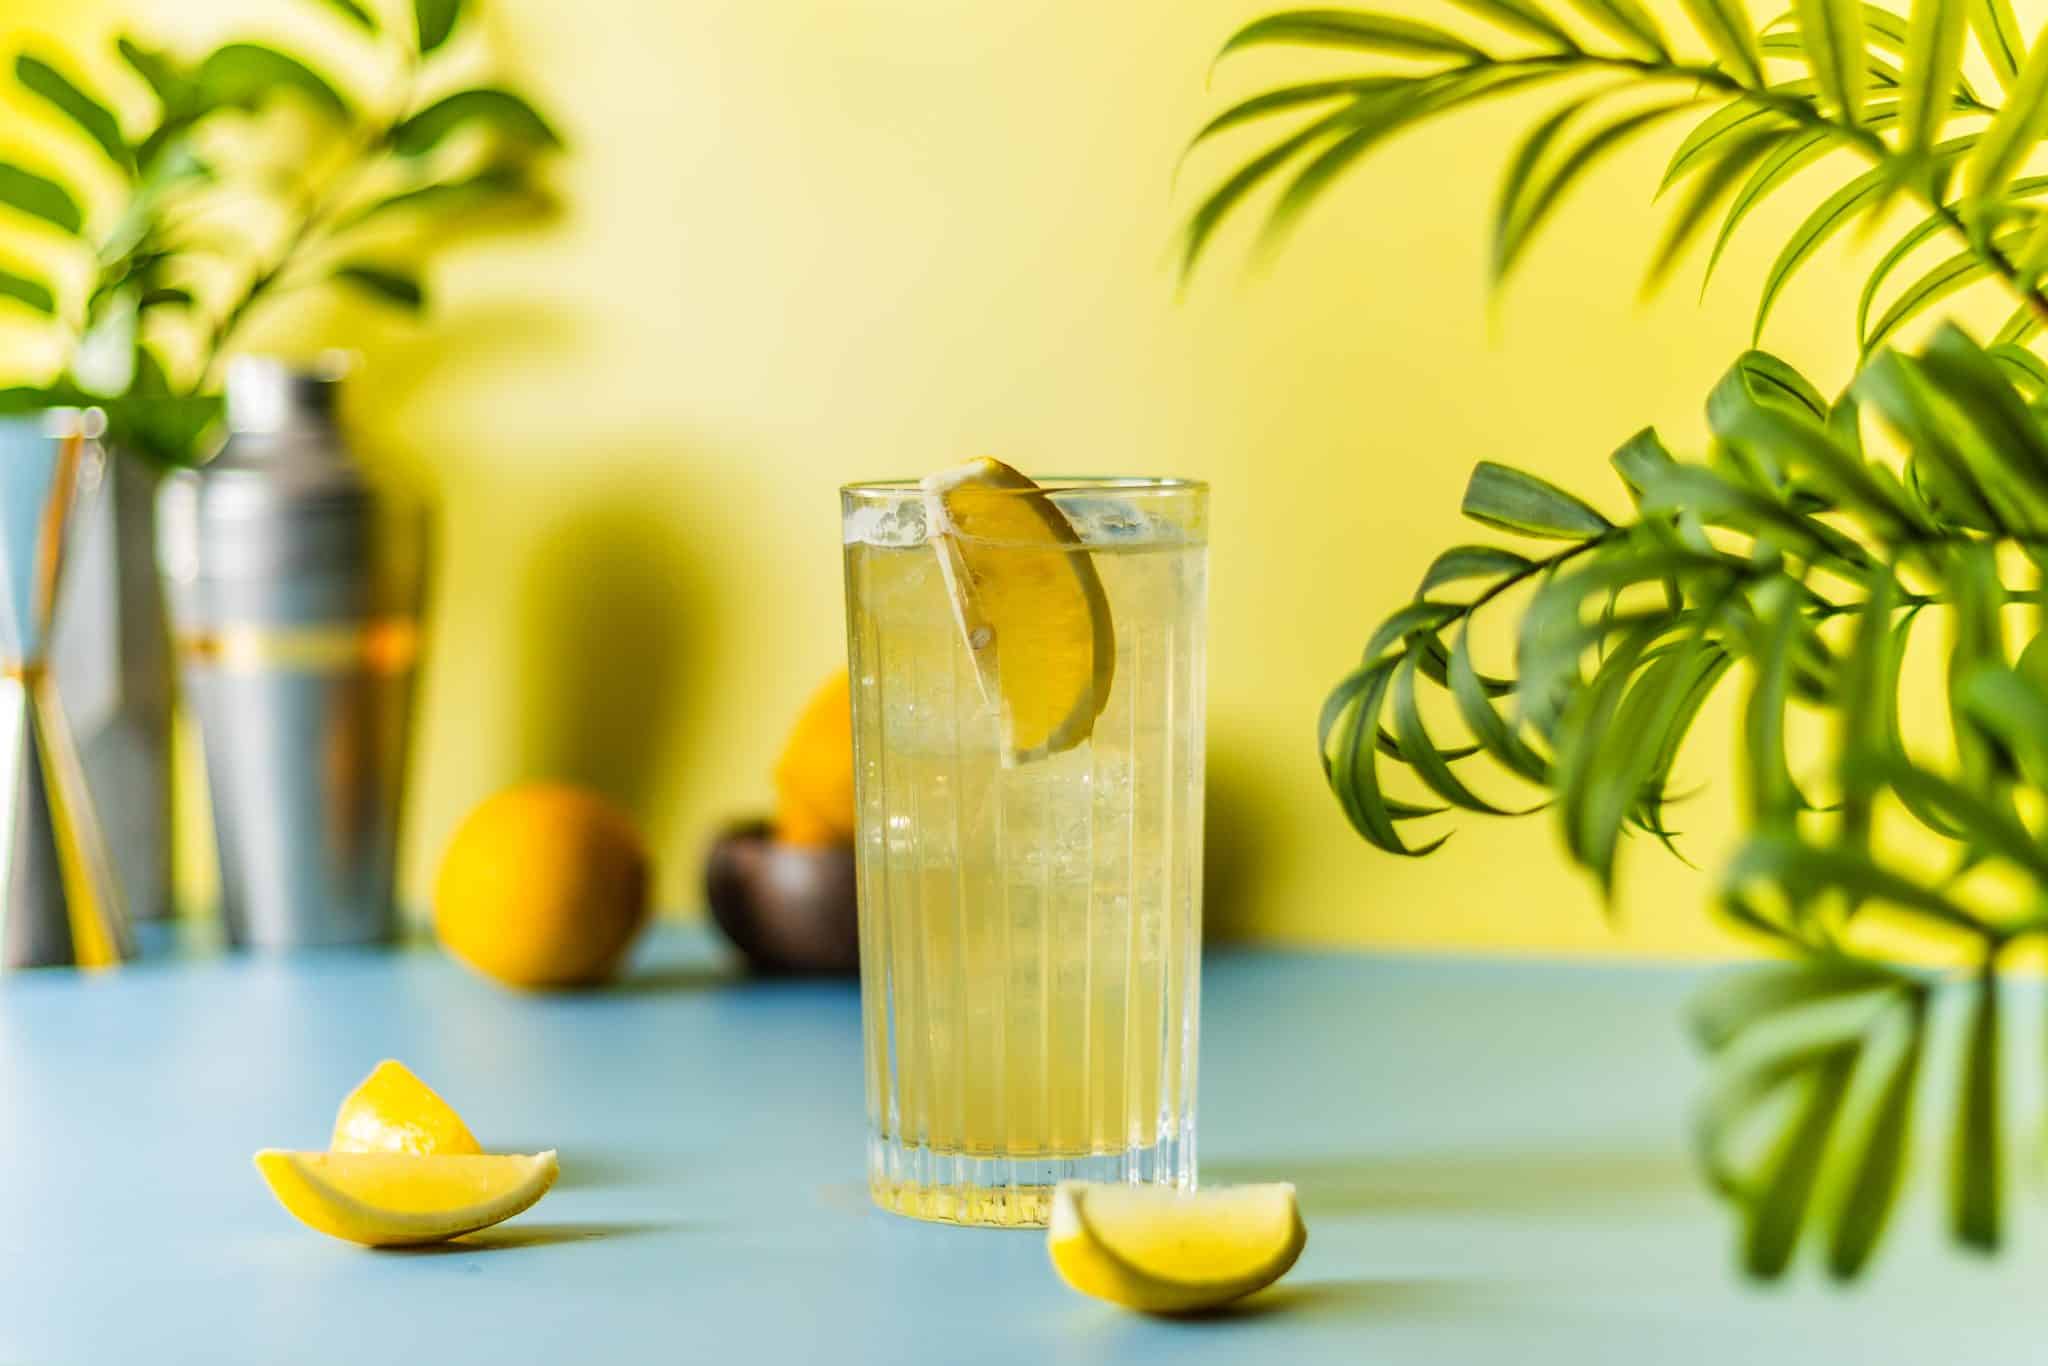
1030, 606
393, 1111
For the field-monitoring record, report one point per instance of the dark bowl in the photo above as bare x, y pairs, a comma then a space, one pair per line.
790, 908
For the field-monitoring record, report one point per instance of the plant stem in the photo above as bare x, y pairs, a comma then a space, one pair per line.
318, 208
1541, 566
316, 216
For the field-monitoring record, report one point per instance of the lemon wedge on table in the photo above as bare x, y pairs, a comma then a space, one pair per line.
395, 1199
393, 1111
1164, 1251
1029, 603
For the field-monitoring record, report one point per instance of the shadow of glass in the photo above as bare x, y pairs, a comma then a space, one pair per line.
508, 1237
1583, 1181
606, 596
1240, 834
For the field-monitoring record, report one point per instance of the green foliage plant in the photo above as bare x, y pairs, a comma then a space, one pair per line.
254, 176
1791, 562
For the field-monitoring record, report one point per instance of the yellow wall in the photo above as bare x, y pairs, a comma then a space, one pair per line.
811, 242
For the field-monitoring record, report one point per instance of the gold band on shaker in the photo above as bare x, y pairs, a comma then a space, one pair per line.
385, 645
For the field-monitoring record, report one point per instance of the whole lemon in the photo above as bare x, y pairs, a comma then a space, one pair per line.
544, 885
814, 776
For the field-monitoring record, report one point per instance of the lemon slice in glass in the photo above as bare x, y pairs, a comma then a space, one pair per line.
1030, 606
1163, 1251
393, 1111
395, 1199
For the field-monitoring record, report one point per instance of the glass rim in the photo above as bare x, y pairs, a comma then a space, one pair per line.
1120, 484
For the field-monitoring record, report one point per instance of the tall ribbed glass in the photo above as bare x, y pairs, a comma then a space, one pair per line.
1029, 929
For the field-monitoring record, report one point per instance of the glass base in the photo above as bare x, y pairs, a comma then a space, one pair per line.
1010, 1192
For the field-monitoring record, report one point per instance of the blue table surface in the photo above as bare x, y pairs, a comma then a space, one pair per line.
1491, 1156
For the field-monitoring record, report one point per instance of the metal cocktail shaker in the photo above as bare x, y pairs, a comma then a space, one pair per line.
295, 594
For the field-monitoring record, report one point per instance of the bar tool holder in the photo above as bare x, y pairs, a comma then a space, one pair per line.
62, 902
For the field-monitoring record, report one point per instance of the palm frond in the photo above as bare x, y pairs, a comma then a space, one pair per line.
1634, 623
1787, 556
1756, 134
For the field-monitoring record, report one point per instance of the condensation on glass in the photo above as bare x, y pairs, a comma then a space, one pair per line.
1030, 932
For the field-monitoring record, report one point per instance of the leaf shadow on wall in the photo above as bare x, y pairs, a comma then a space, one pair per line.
608, 594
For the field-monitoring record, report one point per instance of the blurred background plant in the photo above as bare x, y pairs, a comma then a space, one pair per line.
252, 176
1797, 554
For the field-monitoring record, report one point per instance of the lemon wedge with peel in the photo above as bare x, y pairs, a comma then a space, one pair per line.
393, 1111
1163, 1251
395, 1199
1029, 604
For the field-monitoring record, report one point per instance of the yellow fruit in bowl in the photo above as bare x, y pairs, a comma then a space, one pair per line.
544, 885
393, 1111
814, 776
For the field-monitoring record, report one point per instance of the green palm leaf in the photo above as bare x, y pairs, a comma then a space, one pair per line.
1938, 283
1998, 33
2026, 369
1916, 237
1292, 97
2023, 324
29, 292
1495, 736
1975, 1160
1519, 16
1472, 562
1705, 198
1733, 121
1793, 1172
40, 197
1499, 496
1540, 196
87, 112
1209, 215
1792, 155
1933, 65
1836, 212
2012, 133
1421, 750
1377, 120
1628, 23
1725, 25
1354, 30
1833, 34
1877, 71
1877, 1123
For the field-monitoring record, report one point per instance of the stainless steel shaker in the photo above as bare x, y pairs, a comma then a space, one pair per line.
295, 593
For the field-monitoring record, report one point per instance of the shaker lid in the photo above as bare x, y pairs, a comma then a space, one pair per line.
267, 395
281, 488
